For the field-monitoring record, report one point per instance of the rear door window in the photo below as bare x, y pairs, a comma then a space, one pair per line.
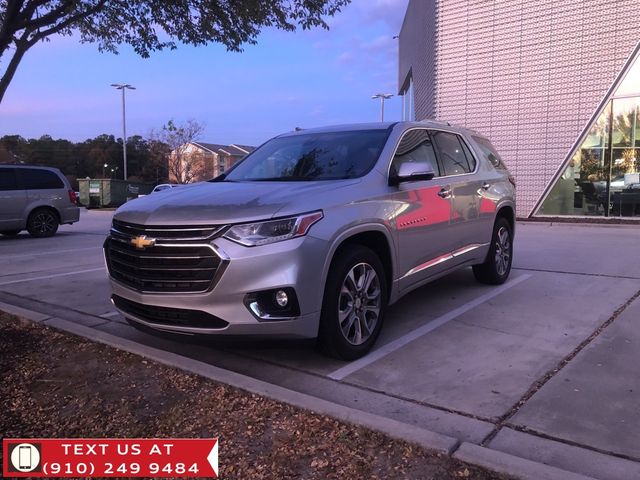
490, 152
36, 179
451, 154
8, 180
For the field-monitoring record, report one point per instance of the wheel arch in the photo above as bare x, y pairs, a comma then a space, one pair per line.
44, 206
507, 212
373, 236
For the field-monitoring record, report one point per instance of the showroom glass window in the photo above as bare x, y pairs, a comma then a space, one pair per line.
603, 175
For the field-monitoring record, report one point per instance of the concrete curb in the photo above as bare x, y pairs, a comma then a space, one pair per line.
518, 467
23, 312
399, 430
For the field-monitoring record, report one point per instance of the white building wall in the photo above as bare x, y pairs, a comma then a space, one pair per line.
528, 73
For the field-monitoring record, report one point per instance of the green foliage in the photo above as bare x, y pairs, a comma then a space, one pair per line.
146, 159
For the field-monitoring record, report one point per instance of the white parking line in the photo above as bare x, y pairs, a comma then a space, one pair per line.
54, 252
32, 279
110, 314
390, 347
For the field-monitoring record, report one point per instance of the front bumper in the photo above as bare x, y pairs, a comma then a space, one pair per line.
295, 264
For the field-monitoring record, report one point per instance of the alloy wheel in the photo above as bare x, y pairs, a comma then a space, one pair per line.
359, 303
503, 251
44, 223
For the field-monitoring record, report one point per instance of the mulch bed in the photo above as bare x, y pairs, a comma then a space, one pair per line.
54, 384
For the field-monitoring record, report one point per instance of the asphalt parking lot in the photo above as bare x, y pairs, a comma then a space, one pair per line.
543, 367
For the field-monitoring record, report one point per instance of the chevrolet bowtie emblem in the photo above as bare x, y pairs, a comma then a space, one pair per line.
143, 242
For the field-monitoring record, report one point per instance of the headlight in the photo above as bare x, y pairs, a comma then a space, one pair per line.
262, 233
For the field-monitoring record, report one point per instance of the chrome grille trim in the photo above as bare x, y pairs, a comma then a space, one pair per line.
167, 234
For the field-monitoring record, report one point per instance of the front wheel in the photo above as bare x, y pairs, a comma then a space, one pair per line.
496, 268
354, 302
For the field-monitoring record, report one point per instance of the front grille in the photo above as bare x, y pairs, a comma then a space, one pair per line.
184, 233
169, 316
162, 268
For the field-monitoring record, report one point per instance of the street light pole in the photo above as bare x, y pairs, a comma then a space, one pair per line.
382, 97
123, 87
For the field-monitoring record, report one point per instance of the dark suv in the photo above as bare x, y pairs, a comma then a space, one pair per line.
38, 199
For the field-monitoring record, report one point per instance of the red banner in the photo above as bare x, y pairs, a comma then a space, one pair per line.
100, 457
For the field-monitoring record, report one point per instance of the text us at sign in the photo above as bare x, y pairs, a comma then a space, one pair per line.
100, 457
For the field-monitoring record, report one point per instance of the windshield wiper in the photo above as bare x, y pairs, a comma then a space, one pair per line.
220, 178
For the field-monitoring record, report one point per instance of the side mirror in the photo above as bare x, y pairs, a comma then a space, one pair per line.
413, 172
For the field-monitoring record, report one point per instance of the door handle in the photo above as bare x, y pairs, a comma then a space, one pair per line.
486, 186
444, 193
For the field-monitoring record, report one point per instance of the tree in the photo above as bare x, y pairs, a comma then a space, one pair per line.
172, 143
149, 25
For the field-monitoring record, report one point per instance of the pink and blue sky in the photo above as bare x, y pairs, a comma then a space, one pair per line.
305, 79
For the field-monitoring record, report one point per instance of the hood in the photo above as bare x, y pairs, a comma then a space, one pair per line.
210, 203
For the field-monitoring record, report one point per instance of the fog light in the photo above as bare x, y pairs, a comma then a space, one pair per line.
281, 298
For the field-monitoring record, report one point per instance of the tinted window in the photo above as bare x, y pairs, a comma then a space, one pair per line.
312, 156
8, 180
490, 152
451, 153
415, 146
470, 158
35, 179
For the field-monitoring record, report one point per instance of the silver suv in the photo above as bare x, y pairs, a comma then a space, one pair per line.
314, 234
38, 199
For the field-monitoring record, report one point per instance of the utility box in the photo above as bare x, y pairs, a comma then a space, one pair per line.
110, 192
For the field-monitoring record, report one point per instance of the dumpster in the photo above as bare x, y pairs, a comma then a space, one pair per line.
110, 192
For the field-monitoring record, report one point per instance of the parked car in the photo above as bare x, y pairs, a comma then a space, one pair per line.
163, 186
37, 199
315, 233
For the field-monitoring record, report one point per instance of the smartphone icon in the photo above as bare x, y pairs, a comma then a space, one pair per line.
25, 457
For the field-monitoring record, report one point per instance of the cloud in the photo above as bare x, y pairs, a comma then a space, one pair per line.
391, 12
360, 40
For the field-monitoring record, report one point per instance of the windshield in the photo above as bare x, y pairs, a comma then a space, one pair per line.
312, 156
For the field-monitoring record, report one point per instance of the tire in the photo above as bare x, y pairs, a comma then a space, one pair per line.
10, 233
496, 268
345, 297
43, 222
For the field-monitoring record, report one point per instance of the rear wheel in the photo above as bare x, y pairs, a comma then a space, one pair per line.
354, 301
496, 268
42, 222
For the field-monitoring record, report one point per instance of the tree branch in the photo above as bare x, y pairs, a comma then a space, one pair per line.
28, 12
48, 18
21, 47
66, 23
6, 31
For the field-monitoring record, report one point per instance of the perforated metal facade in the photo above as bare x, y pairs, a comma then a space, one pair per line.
530, 74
